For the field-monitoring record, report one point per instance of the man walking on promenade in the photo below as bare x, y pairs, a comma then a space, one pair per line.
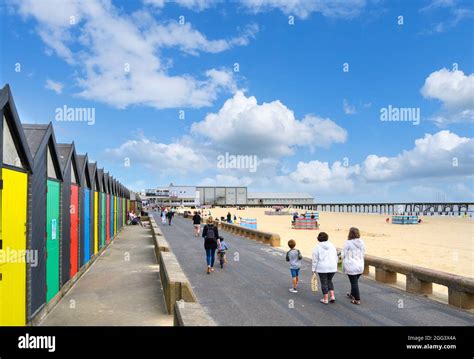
170, 215
197, 224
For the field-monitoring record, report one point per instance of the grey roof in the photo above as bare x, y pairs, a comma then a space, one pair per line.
34, 134
81, 159
100, 175
279, 195
64, 151
92, 169
7, 104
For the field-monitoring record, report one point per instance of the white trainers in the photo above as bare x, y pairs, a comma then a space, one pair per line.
293, 290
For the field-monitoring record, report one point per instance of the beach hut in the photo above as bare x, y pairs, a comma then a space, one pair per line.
112, 207
132, 202
114, 210
121, 210
98, 188
86, 240
45, 228
115, 207
95, 205
70, 211
127, 204
102, 207
107, 207
124, 206
16, 168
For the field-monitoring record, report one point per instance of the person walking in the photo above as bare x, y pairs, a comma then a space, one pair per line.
325, 264
353, 262
163, 215
210, 234
197, 224
170, 216
294, 257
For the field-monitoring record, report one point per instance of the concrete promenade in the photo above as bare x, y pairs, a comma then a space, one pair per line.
253, 290
121, 288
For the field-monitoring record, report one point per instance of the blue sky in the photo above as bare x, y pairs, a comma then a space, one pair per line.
312, 126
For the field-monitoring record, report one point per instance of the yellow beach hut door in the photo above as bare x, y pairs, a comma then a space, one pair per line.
12, 235
13, 265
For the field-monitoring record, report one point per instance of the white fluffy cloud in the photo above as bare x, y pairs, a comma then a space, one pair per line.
197, 5
119, 59
54, 86
348, 108
191, 41
444, 158
455, 90
269, 129
323, 177
443, 154
173, 158
226, 180
300, 8
303, 8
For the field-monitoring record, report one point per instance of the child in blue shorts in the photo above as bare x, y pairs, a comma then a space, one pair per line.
294, 257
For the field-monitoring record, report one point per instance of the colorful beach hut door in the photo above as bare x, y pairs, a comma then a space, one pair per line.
112, 217
13, 235
124, 211
102, 220
86, 224
96, 219
53, 234
74, 213
115, 215
107, 223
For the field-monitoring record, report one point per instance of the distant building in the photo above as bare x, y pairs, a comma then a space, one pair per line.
222, 196
279, 198
191, 196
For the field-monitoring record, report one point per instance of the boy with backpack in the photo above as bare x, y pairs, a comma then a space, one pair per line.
294, 257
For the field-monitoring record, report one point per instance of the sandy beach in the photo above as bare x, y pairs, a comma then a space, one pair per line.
441, 243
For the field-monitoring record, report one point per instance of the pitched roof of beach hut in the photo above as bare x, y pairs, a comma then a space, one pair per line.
68, 161
83, 167
100, 177
40, 137
93, 173
15, 150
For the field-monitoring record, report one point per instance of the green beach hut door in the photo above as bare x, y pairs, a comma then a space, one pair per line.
52, 231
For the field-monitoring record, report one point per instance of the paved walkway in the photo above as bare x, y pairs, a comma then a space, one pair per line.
121, 288
253, 290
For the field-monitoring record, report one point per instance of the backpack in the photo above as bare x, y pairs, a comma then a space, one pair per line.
211, 234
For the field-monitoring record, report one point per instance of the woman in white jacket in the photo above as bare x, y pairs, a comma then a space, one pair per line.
325, 264
353, 262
